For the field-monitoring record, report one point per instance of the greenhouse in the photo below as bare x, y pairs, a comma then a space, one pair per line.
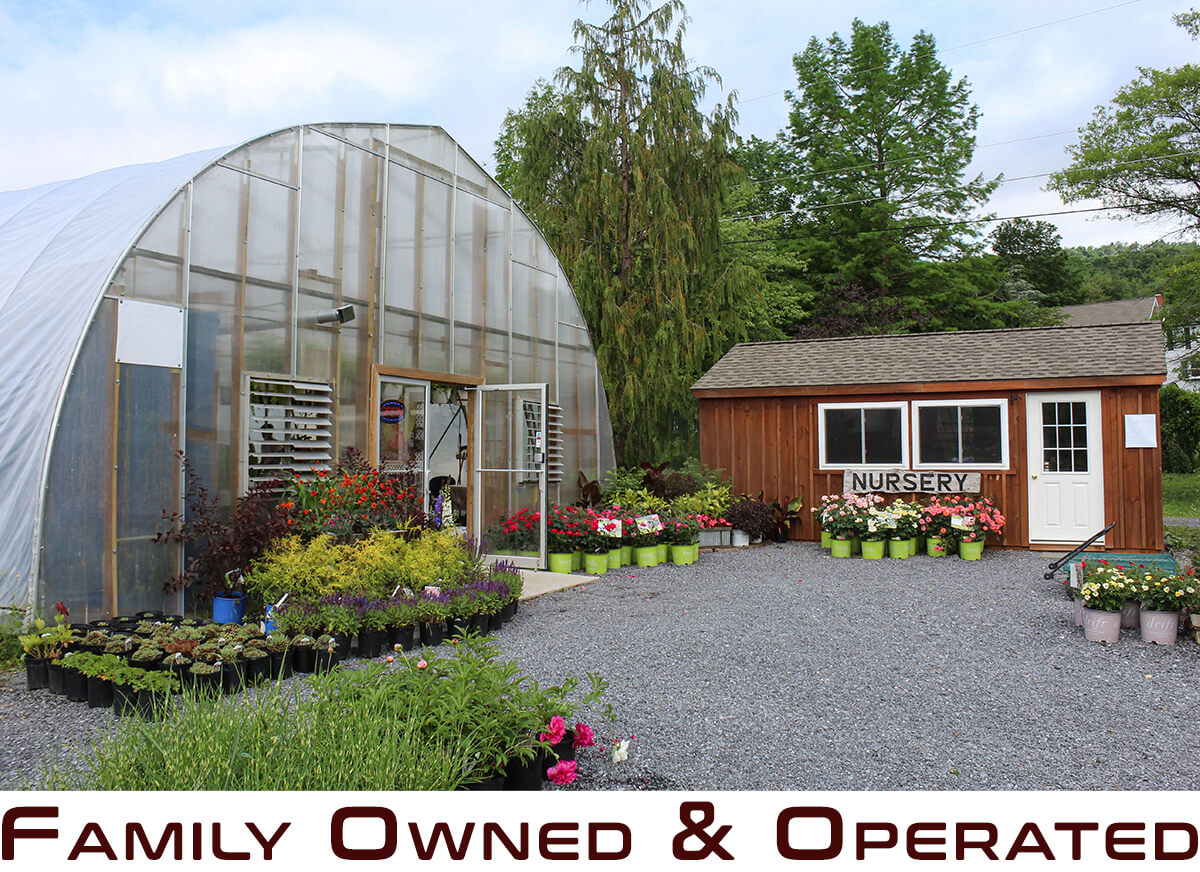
262, 309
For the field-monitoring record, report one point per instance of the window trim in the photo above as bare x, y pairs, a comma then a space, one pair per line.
1005, 455
902, 405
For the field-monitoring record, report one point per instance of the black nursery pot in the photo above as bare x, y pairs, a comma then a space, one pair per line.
402, 636
495, 622
431, 634
341, 645
522, 774
75, 683
496, 782
324, 659
36, 674
233, 677
281, 663
481, 623
370, 643
509, 610
99, 692
209, 683
258, 669
55, 680
303, 658
124, 698
565, 750
457, 628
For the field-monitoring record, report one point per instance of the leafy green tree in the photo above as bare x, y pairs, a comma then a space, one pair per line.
625, 174
871, 173
1031, 253
1179, 411
1139, 154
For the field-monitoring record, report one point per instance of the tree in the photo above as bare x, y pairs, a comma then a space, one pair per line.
625, 175
1141, 155
1031, 253
871, 171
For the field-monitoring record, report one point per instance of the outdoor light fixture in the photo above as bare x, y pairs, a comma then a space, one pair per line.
341, 315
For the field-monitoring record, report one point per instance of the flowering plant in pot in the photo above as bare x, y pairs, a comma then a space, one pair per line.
1104, 591
751, 516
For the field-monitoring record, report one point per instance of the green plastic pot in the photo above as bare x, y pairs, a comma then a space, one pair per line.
626, 555
873, 549
595, 564
560, 561
647, 556
970, 550
898, 548
681, 555
614, 558
841, 547
662, 552
933, 546
577, 560
826, 539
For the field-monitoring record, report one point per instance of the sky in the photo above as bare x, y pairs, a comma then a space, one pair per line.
85, 85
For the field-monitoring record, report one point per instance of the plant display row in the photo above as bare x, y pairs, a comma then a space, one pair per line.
951, 520
466, 719
1111, 595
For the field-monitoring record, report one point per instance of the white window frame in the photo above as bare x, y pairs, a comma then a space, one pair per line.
918, 462
904, 435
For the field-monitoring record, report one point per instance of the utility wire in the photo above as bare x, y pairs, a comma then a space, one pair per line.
936, 224
976, 42
897, 160
966, 190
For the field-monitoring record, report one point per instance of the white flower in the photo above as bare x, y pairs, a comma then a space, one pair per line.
621, 752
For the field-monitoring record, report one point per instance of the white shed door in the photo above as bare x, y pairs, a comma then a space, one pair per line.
1066, 470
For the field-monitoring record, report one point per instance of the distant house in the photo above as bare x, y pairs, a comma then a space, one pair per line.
1057, 425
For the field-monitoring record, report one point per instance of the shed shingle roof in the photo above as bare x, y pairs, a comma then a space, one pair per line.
970, 355
1112, 312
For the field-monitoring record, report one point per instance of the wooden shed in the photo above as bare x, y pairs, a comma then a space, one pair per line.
1057, 425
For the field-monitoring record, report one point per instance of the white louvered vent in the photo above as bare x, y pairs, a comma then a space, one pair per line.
290, 428
531, 413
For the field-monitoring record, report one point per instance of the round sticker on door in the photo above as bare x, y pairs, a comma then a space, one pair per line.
391, 411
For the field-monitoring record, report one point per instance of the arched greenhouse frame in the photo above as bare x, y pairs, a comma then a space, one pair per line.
262, 308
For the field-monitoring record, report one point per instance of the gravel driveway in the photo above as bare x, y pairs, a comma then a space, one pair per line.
780, 668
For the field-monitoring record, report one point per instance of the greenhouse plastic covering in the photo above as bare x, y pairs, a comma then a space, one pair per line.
59, 244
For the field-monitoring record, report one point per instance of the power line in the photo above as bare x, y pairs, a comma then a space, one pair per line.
899, 160
936, 224
976, 42
857, 202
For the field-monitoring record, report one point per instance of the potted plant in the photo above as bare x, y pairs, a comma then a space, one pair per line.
785, 513
43, 645
753, 518
372, 631
683, 535
562, 535
400, 618
1104, 591
1162, 597
279, 655
205, 677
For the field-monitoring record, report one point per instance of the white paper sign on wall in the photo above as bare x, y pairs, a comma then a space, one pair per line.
149, 334
1141, 431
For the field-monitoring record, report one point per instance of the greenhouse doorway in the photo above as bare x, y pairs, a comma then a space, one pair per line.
510, 475
422, 437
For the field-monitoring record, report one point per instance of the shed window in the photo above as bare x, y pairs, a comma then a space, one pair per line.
867, 434
962, 433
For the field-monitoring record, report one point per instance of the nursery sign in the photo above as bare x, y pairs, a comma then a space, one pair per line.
904, 481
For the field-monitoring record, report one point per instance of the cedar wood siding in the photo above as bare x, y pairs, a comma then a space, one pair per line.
770, 444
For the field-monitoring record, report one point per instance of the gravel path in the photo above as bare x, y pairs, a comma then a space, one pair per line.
780, 668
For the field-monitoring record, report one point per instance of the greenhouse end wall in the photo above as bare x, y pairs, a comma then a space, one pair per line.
446, 276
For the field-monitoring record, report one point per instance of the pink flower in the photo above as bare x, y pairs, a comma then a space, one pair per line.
562, 772
558, 730
421, 664
584, 737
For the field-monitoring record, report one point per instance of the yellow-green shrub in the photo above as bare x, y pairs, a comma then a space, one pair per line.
439, 557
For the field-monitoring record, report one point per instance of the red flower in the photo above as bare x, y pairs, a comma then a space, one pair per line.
61, 609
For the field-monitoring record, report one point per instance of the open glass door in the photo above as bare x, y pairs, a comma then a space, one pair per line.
510, 472
404, 431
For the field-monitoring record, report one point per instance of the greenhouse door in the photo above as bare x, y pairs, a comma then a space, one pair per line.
510, 472
403, 431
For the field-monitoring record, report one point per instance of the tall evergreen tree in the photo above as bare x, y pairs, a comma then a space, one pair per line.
625, 173
871, 174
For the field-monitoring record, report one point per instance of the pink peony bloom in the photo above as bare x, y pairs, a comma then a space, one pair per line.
558, 730
562, 772
584, 737
421, 664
